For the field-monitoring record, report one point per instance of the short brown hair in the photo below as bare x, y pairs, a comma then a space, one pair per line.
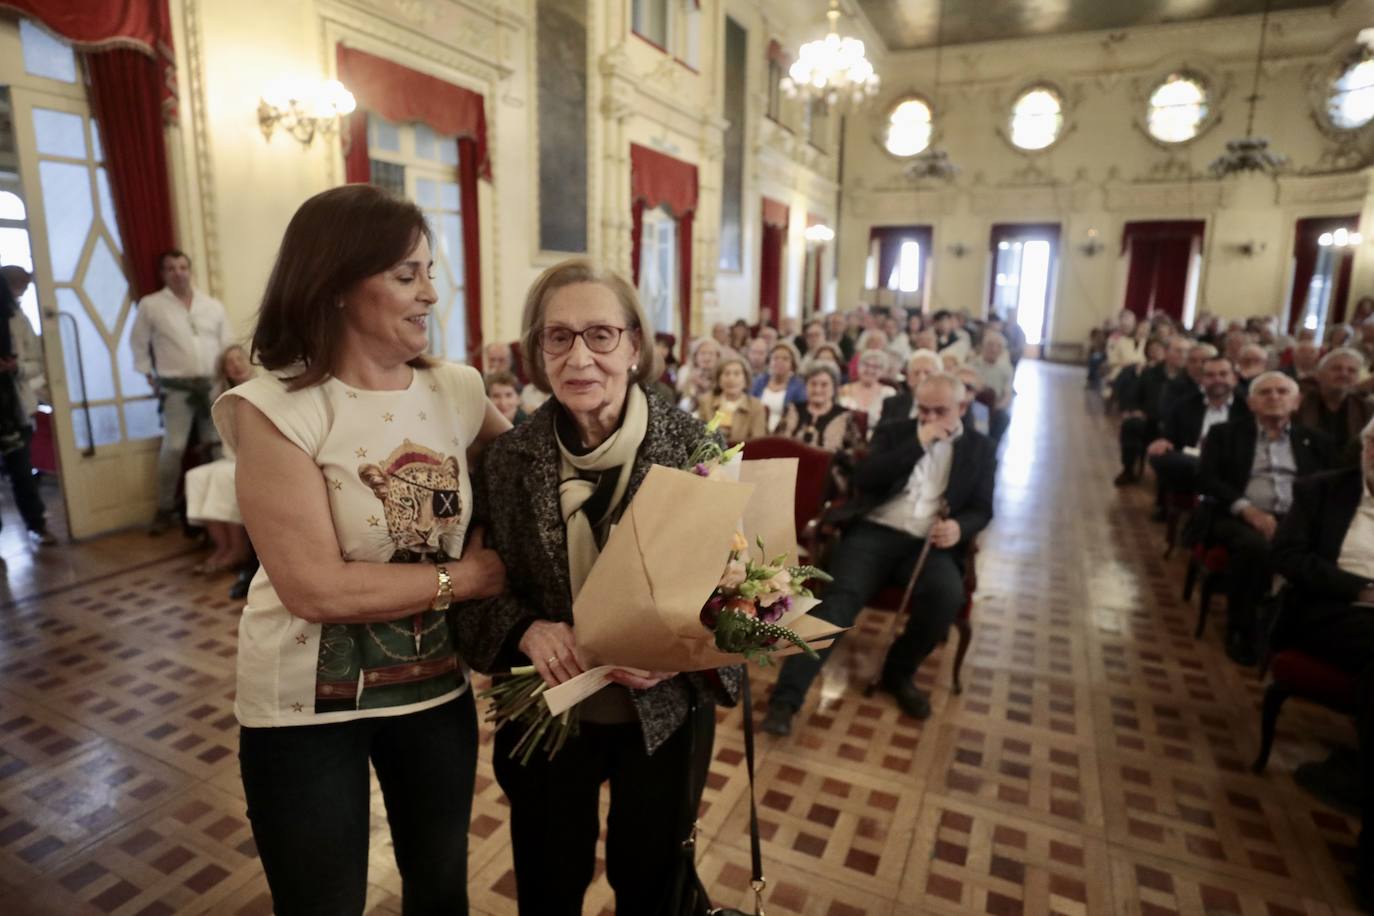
171, 253
492, 379
581, 270
337, 239
734, 359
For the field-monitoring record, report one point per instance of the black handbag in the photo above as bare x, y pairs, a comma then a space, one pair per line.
688, 896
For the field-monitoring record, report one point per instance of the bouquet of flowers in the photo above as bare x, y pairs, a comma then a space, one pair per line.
753, 610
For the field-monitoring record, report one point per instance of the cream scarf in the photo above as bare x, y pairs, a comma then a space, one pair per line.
618, 451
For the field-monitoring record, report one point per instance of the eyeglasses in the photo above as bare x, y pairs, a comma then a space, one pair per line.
599, 338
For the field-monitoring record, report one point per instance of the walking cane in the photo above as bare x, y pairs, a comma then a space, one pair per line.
904, 609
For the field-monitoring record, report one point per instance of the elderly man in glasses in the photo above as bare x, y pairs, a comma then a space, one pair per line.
927, 478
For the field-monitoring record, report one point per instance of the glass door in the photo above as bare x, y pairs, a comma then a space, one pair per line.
1023, 269
658, 269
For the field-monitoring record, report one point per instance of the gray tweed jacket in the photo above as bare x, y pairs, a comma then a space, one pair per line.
516, 497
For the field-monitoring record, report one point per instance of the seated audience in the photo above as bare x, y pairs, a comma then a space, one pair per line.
211, 500
1253, 361
836, 331
782, 385
1016, 338
867, 393
1337, 336
874, 340
1364, 311
948, 338
829, 353
1097, 358
1174, 455
1190, 382
914, 467
1335, 406
757, 356
742, 416
1141, 406
995, 381
503, 390
1303, 366
1247, 471
739, 336
819, 421
720, 333
1126, 346
977, 415
1325, 550
497, 357
813, 335
698, 376
919, 366
1366, 342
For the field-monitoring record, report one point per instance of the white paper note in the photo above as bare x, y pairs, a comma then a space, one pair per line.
574, 690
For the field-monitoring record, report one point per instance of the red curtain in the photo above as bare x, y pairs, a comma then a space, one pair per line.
659, 180
1160, 254
890, 239
144, 26
775, 220
1305, 251
402, 95
124, 95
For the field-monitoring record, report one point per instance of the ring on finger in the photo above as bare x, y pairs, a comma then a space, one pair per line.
551, 660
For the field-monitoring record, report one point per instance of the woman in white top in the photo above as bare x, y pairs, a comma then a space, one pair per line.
866, 394
353, 484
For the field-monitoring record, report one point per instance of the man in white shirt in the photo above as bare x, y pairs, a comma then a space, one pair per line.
177, 339
1325, 549
913, 469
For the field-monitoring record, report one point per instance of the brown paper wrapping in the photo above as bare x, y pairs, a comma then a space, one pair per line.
641, 604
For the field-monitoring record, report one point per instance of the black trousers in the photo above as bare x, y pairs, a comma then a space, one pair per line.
868, 558
19, 469
1175, 473
1251, 570
1135, 435
1344, 636
309, 803
555, 816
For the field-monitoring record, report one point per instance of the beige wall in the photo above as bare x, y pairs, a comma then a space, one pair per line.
236, 190
1105, 170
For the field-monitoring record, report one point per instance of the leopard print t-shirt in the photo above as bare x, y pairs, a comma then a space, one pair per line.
394, 465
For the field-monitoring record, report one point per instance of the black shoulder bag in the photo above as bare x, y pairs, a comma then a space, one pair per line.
688, 896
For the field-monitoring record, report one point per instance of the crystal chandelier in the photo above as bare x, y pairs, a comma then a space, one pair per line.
934, 163
831, 68
1250, 153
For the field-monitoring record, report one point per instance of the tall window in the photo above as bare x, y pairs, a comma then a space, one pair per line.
908, 127
1037, 117
1177, 108
412, 161
658, 267
652, 19
690, 52
906, 274
1351, 103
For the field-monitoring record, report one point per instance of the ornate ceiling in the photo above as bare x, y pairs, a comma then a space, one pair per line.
909, 24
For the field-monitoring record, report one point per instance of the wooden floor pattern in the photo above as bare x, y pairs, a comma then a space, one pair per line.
1096, 763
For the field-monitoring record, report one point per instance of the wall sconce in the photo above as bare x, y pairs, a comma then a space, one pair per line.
1250, 248
303, 109
1093, 246
958, 249
1341, 238
819, 233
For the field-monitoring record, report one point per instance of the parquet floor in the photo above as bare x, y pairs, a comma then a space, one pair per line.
1096, 762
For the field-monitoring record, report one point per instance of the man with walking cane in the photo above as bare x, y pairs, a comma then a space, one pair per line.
914, 469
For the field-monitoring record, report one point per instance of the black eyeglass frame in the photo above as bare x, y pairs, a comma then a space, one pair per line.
543, 338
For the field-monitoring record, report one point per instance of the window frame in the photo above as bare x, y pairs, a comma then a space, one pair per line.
1210, 99
886, 122
1007, 131
1324, 91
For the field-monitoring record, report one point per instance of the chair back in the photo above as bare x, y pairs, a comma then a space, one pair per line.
813, 472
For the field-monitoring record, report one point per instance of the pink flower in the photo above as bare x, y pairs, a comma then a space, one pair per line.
735, 573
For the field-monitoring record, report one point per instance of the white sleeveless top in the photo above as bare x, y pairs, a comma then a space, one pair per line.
394, 465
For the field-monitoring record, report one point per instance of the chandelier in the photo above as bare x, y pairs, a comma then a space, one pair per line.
1250, 153
832, 68
934, 163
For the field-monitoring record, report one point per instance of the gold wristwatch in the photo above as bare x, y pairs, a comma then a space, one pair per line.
444, 596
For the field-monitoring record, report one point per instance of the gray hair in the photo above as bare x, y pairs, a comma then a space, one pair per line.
1254, 350
818, 366
1335, 354
923, 354
1207, 350
955, 384
1287, 379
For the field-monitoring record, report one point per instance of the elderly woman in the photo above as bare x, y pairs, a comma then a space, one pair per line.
555, 487
820, 421
874, 339
781, 386
352, 481
867, 393
696, 378
743, 416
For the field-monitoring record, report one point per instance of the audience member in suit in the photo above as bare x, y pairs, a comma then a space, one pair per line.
1302, 363
1190, 381
1325, 549
912, 467
1247, 471
1254, 360
1334, 406
1174, 455
1140, 403
949, 338
919, 366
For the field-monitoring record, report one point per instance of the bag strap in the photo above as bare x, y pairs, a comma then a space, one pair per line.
757, 880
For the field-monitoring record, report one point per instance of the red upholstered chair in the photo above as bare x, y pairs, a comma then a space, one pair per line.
813, 482
1209, 565
1297, 674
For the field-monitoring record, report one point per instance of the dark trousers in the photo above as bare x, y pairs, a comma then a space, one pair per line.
555, 814
869, 557
308, 801
998, 421
19, 469
1344, 636
1251, 572
1175, 472
1136, 433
